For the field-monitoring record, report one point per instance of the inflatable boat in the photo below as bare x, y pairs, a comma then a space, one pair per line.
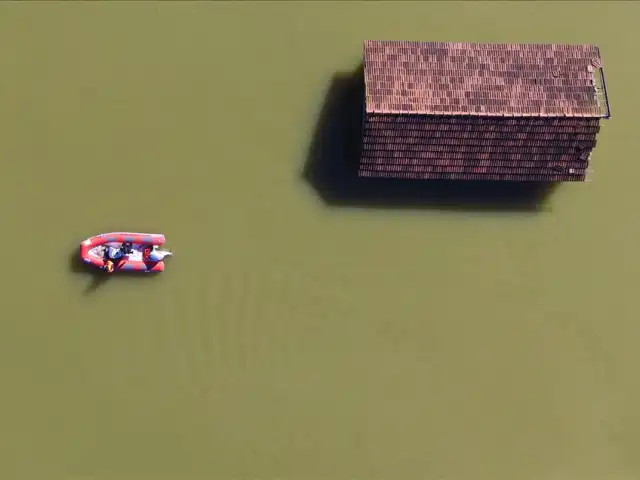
144, 255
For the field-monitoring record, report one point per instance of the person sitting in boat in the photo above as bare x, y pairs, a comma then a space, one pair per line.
126, 248
111, 254
151, 255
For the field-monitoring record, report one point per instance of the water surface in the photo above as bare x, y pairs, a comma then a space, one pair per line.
288, 338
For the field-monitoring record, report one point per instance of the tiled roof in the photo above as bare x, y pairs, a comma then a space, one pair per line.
481, 79
477, 148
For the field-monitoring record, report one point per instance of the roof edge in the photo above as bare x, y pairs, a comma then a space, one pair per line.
483, 114
478, 44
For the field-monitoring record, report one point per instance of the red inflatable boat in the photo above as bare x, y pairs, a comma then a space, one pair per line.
144, 256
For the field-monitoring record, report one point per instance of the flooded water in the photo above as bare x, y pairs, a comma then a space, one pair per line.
302, 330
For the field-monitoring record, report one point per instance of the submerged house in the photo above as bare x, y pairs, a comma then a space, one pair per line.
466, 111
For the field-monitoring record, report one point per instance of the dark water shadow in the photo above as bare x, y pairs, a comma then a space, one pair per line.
97, 277
333, 156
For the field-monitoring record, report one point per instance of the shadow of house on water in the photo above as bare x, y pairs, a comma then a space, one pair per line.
332, 165
98, 278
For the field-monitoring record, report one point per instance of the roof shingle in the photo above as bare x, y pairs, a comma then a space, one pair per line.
481, 79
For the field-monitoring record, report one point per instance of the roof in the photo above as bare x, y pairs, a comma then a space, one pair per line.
484, 148
481, 79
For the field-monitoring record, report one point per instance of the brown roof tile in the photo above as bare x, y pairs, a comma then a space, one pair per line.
481, 79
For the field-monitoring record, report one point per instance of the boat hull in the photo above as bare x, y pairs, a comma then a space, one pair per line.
91, 251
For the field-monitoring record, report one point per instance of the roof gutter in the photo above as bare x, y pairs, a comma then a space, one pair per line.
606, 96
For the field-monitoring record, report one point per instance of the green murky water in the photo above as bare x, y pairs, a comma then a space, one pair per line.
291, 339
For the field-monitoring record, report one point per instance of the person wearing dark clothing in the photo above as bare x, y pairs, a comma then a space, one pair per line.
111, 255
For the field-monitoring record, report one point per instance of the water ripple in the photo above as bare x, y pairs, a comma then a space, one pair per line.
231, 321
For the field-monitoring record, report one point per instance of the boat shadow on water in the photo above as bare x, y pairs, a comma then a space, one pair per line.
333, 156
99, 278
